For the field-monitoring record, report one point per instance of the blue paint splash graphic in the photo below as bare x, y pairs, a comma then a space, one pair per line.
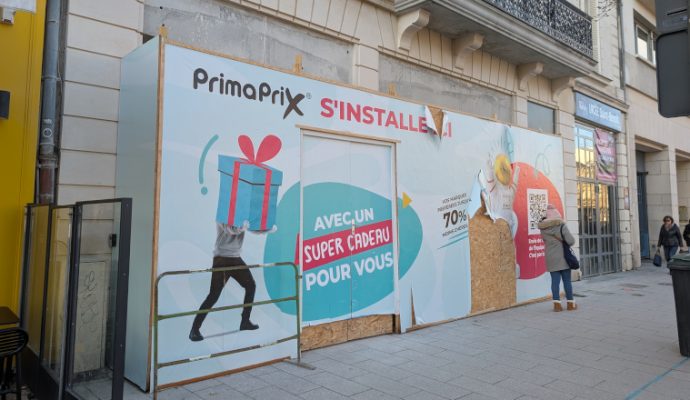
202, 162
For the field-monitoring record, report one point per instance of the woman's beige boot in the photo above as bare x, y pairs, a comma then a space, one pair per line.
557, 306
571, 305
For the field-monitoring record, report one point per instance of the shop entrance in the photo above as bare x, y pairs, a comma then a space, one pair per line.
596, 206
349, 243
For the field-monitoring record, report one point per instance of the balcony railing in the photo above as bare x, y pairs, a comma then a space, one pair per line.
557, 18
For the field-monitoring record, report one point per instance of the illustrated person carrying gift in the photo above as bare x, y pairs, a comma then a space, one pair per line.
227, 254
247, 202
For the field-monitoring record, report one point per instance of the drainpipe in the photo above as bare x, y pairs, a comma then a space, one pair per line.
47, 138
621, 49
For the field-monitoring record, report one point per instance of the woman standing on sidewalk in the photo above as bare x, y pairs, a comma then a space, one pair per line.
554, 231
669, 237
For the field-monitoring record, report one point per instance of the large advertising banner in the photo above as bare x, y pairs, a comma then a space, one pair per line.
260, 166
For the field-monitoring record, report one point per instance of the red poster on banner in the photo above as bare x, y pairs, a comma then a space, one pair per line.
605, 145
534, 192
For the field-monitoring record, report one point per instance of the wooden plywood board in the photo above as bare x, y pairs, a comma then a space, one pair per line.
492, 263
316, 336
437, 115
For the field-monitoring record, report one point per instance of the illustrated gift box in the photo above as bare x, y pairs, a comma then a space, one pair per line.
249, 188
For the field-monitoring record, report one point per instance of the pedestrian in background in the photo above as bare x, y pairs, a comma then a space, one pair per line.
669, 237
554, 231
686, 235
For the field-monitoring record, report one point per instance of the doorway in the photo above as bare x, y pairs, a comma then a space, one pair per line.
596, 207
349, 233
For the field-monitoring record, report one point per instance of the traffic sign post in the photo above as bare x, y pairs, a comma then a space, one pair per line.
673, 57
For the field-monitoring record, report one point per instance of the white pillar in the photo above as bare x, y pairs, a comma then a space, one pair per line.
365, 71
625, 221
662, 191
683, 178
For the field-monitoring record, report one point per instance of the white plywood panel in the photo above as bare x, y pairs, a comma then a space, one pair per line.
136, 179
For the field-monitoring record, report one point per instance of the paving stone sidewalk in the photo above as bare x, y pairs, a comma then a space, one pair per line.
621, 343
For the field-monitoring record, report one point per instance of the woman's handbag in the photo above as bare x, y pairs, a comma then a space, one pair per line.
657, 258
568, 254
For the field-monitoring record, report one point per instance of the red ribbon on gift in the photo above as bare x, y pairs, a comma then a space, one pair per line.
269, 148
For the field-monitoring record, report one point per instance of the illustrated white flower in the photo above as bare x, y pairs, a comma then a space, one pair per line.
499, 181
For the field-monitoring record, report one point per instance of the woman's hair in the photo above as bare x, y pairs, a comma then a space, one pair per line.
552, 212
669, 217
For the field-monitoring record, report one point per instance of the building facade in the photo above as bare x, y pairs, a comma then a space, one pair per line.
521, 65
580, 71
521, 73
659, 149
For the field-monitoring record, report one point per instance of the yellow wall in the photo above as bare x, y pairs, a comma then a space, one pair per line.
21, 53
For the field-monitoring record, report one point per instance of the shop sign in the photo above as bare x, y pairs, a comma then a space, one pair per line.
605, 145
598, 112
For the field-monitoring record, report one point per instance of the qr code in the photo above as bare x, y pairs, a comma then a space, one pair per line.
537, 200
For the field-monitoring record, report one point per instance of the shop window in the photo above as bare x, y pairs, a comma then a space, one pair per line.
644, 42
585, 159
540, 118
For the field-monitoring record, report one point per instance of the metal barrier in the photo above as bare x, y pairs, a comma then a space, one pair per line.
159, 317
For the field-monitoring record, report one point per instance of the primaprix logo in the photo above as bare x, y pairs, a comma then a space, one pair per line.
264, 92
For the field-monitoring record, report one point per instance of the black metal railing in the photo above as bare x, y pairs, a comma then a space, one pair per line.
557, 18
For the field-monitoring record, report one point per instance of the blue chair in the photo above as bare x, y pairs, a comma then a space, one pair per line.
12, 342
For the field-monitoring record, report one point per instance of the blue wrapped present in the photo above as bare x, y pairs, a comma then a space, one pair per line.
248, 193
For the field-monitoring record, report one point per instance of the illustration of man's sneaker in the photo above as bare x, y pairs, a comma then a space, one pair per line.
195, 335
247, 325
